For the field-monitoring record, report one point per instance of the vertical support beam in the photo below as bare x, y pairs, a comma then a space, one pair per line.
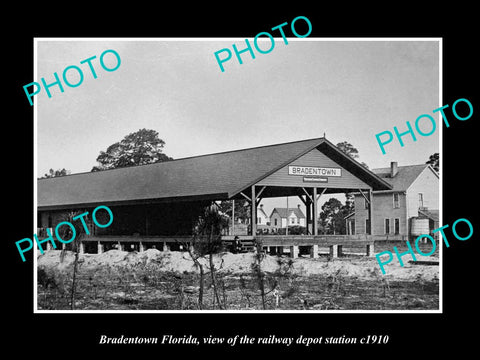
333, 251
314, 251
308, 215
294, 251
370, 210
233, 217
140, 247
99, 247
82, 247
253, 203
370, 250
315, 212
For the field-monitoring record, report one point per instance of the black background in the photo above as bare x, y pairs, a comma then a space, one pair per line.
60, 335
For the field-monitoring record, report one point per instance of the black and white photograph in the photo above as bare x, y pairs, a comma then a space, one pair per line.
256, 188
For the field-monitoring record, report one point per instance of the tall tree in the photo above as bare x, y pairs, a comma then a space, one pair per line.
332, 217
137, 148
55, 173
351, 151
434, 161
348, 149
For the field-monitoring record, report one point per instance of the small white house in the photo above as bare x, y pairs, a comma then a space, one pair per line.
280, 217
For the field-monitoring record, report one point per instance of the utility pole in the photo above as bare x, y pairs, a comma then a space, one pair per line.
286, 229
233, 217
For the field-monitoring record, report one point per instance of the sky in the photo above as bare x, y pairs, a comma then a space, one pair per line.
347, 90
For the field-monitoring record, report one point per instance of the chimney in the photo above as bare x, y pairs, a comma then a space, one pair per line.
393, 168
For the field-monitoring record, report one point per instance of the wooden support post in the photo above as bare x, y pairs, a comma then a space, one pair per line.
253, 222
333, 251
308, 214
370, 210
82, 248
233, 217
140, 247
315, 213
164, 246
371, 250
314, 251
294, 251
99, 247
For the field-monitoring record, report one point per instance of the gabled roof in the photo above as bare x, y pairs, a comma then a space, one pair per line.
285, 212
260, 210
211, 177
405, 176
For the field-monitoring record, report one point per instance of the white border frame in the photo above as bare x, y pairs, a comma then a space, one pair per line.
34, 252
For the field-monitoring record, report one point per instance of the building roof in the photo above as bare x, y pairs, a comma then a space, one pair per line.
214, 177
431, 214
405, 176
260, 210
285, 212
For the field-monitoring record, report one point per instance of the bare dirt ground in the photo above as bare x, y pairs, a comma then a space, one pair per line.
157, 280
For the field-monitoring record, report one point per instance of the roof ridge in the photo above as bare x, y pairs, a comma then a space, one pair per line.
402, 166
186, 158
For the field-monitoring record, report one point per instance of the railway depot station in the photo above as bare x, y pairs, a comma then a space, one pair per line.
157, 205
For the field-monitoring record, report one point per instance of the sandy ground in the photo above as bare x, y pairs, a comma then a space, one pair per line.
362, 268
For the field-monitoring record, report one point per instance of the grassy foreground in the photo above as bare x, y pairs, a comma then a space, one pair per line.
169, 281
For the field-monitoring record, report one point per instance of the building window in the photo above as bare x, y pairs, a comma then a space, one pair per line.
276, 222
259, 220
367, 226
387, 226
292, 221
365, 203
420, 200
397, 226
396, 201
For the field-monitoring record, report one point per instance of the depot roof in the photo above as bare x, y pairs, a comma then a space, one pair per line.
217, 176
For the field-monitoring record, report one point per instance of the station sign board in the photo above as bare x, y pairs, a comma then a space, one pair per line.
313, 171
